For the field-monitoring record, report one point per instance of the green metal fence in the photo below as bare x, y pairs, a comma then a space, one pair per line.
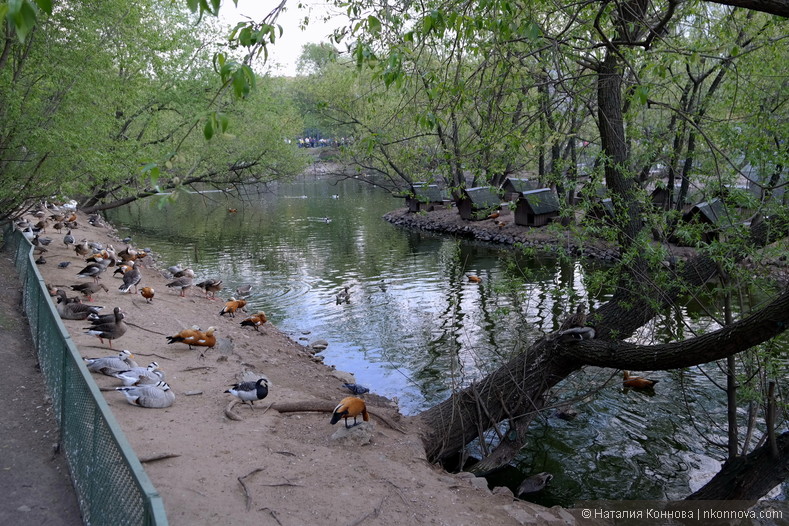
111, 485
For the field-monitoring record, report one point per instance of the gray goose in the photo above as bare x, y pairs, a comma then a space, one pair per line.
183, 283
74, 310
141, 375
158, 395
111, 330
110, 365
131, 278
89, 289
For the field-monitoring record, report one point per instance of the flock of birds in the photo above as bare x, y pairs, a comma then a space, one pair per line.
147, 386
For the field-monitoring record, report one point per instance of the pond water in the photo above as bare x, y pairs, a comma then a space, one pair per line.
416, 327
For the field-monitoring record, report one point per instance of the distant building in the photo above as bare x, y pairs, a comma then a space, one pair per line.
536, 207
477, 203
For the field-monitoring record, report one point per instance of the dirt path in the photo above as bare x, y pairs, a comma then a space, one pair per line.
263, 466
34, 483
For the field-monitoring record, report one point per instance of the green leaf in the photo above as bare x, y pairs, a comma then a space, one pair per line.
373, 25
45, 6
208, 129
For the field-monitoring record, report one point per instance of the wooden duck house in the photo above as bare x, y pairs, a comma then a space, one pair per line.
477, 203
536, 207
424, 197
513, 187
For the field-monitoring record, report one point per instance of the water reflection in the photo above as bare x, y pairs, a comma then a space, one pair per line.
416, 327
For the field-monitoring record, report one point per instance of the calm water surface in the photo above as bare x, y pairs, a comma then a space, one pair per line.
416, 328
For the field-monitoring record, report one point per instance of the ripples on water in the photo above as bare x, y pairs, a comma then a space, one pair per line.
416, 328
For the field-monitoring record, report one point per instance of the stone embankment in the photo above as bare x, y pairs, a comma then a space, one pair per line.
502, 230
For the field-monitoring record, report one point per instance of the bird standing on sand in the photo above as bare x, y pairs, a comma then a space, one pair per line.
68, 239
95, 269
147, 293
231, 306
157, 396
350, 407
182, 284
250, 391
89, 289
131, 278
256, 320
210, 286
637, 382
111, 330
195, 337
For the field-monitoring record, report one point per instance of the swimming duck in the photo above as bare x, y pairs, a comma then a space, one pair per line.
141, 375
147, 293
244, 290
111, 330
637, 382
256, 320
534, 483
231, 306
343, 296
211, 286
350, 407
156, 396
250, 391
110, 365
474, 279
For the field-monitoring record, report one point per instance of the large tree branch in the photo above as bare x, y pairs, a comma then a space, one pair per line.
773, 7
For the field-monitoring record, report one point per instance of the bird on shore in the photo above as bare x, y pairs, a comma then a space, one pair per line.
184, 273
231, 306
147, 293
110, 365
350, 407
576, 334
82, 249
210, 286
156, 396
141, 375
131, 278
576, 320
356, 388
344, 296
94, 269
195, 337
250, 391
111, 330
637, 382
74, 310
68, 239
64, 264
89, 289
255, 321
183, 284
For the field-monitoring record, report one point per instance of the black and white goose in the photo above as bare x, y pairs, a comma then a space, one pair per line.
157, 396
250, 391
